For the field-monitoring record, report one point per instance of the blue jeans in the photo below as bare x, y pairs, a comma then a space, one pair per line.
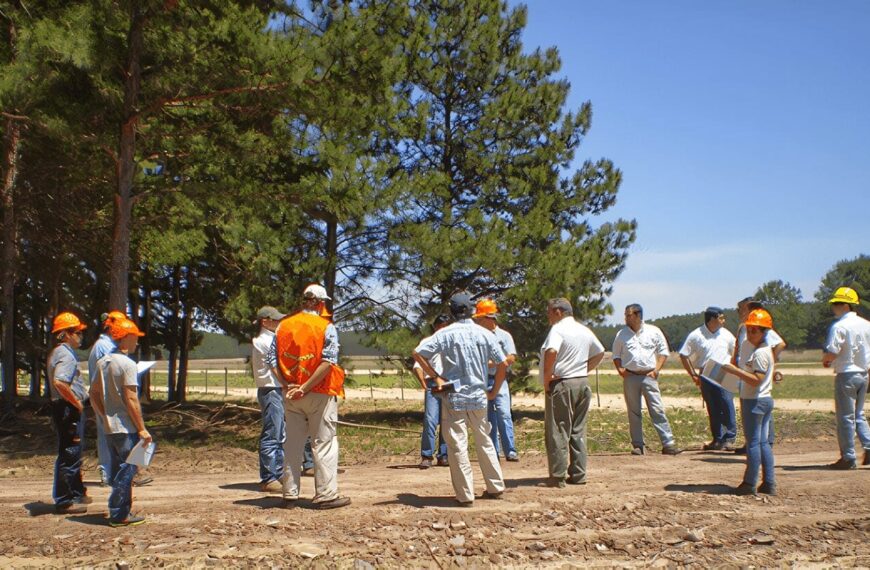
756, 425
498, 413
850, 391
633, 387
272, 436
720, 410
121, 474
431, 420
68, 424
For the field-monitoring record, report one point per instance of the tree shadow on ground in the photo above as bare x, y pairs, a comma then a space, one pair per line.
418, 502
708, 488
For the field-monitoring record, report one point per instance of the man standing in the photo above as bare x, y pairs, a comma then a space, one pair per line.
68, 398
270, 395
432, 407
499, 408
115, 396
305, 354
465, 350
640, 351
104, 345
847, 351
569, 352
712, 341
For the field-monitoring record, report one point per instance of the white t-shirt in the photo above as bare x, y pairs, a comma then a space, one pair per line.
638, 350
760, 360
702, 345
771, 339
574, 344
260, 347
849, 339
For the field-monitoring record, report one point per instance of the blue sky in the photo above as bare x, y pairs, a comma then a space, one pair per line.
741, 128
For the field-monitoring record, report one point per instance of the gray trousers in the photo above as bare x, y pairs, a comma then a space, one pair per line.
633, 388
565, 411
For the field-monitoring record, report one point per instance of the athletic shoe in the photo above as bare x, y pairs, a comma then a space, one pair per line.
843, 464
129, 521
671, 450
333, 503
425, 463
713, 446
104, 479
637, 451
513, 457
70, 509
443, 462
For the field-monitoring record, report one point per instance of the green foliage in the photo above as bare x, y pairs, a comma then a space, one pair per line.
790, 314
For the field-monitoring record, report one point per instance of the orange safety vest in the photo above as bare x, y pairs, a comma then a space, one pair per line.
300, 351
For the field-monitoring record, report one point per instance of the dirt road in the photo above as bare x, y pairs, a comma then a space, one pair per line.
204, 510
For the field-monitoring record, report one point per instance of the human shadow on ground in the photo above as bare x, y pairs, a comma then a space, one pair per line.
708, 488
416, 501
269, 502
38, 508
525, 482
407, 466
241, 487
720, 459
94, 519
804, 467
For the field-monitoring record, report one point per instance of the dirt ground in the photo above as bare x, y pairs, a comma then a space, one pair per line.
204, 510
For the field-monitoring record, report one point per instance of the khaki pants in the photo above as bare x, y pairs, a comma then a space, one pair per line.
455, 425
565, 410
316, 416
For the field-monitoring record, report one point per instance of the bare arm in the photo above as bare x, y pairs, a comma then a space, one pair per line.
593, 362
549, 367
617, 363
427, 368
660, 363
131, 400
65, 391
96, 394
687, 364
421, 378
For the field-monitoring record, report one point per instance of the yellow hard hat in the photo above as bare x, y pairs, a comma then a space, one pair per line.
845, 295
485, 308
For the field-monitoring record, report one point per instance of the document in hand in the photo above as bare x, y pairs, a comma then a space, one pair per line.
143, 366
141, 454
449, 386
714, 374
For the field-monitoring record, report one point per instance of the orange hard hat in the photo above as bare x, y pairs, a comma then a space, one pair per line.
121, 328
67, 321
759, 318
485, 308
112, 316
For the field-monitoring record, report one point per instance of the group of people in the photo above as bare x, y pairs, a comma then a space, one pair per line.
114, 397
463, 366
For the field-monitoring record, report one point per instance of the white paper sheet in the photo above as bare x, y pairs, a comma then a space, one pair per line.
143, 366
141, 454
714, 374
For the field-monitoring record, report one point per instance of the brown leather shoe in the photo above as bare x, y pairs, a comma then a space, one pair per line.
843, 465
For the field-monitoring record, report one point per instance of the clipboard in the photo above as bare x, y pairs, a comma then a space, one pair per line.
714, 374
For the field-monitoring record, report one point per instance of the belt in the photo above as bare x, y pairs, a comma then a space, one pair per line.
638, 373
555, 381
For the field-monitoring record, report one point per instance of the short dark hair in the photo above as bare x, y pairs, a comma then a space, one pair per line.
753, 305
440, 321
635, 308
562, 304
711, 313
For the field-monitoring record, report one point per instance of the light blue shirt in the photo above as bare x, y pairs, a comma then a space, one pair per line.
104, 345
465, 350
330, 345
63, 366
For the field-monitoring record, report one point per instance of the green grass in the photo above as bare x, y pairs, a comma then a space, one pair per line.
607, 430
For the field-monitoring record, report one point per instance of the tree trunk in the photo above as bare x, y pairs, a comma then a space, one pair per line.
331, 259
126, 168
173, 336
146, 328
11, 145
183, 353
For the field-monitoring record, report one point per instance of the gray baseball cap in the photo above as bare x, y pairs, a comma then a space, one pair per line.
269, 312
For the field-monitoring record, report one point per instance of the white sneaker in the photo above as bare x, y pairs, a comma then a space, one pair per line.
104, 479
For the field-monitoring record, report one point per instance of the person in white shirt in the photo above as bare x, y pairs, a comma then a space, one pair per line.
569, 352
639, 352
847, 351
756, 401
712, 341
743, 349
270, 395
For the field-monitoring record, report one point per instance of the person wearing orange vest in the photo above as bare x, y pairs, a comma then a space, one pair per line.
68, 398
305, 354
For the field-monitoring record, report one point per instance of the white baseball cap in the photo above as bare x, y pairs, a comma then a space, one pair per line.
315, 291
